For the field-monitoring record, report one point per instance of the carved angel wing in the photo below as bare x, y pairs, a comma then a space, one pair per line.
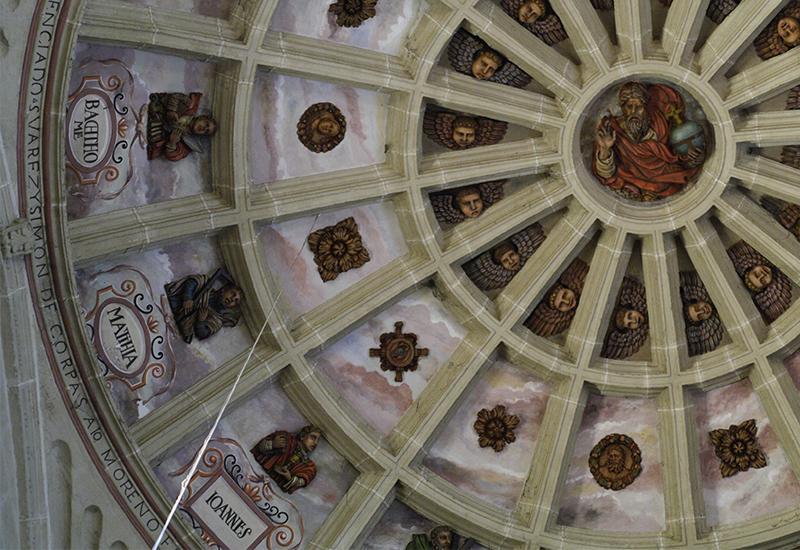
547, 321
486, 274
511, 75
622, 343
706, 335
438, 126
444, 208
774, 300
786, 213
791, 153
490, 131
527, 241
718, 10
462, 49
768, 44
549, 29
492, 191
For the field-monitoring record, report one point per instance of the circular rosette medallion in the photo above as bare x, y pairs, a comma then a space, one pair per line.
615, 462
645, 140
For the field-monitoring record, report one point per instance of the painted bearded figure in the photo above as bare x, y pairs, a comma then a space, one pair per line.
174, 125
441, 537
457, 205
633, 153
536, 16
202, 305
285, 457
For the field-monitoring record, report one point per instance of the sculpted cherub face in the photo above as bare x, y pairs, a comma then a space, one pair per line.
789, 31
326, 125
442, 539
470, 203
563, 299
530, 11
759, 277
699, 311
508, 257
486, 64
464, 136
629, 319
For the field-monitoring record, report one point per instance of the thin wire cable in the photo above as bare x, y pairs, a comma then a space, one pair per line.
195, 464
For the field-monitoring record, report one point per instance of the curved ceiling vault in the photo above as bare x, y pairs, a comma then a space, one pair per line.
526, 269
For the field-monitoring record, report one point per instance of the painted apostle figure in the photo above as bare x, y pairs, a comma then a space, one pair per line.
441, 537
536, 16
769, 288
202, 305
456, 205
633, 153
555, 312
174, 125
495, 268
471, 56
703, 326
459, 131
285, 457
629, 324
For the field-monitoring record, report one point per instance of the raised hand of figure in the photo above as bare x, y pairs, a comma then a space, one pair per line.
188, 305
175, 136
606, 137
695, 157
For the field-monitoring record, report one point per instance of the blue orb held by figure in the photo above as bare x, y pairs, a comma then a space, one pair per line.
687, 137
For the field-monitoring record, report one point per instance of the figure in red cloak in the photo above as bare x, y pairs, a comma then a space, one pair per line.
632, 153
173, 125
285, 457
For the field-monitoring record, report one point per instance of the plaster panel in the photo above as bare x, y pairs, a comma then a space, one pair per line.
211, 8
397, 527
494, 477
359, 378
279, 101
386, 32
640, 506
245, 423
792, 364
152, 180
158, 267
292, 263
765, 490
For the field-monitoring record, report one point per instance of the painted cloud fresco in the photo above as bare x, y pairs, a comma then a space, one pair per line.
455, 454
386, 32
296, 274
397, 527
155, 268
245, 424
210, 8
151, 181
766, 490
278, 103
359, 378
640, 506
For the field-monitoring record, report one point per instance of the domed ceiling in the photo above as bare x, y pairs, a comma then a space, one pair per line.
458, 273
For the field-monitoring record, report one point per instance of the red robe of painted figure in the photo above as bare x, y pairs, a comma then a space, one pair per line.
291, 456
649, 165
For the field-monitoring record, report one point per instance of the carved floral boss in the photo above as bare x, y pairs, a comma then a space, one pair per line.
398, 352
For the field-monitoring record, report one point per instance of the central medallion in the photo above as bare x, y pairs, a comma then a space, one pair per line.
645, 140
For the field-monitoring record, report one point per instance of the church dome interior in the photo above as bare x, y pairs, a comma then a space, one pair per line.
411, 274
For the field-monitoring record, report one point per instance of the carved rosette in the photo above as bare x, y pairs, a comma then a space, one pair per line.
737, 448
495, 428
338, 248
399, 352
352, 13
615, 462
